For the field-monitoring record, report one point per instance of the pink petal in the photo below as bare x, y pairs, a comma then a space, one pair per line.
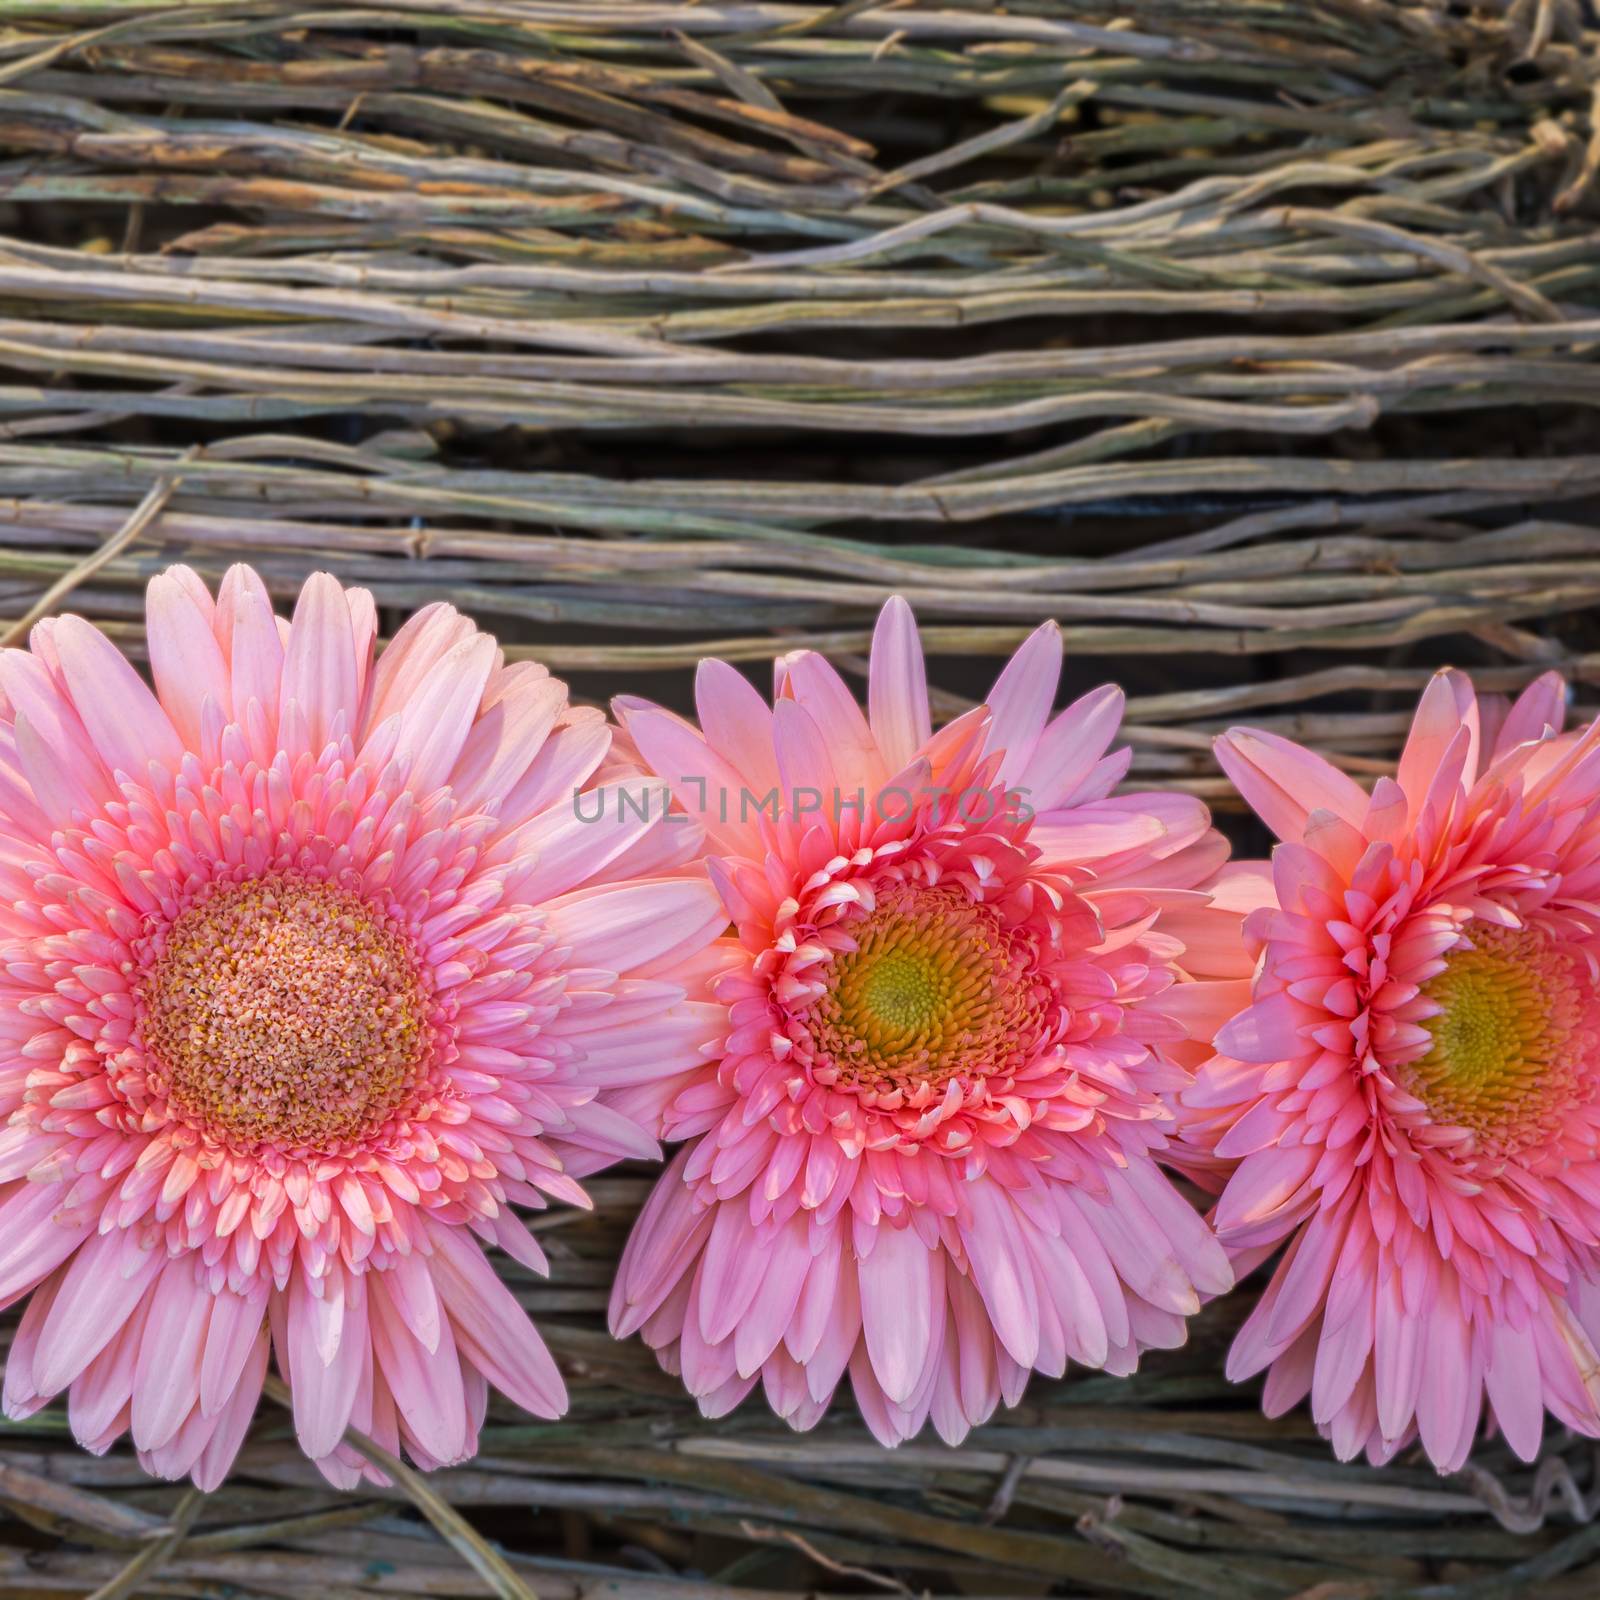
832, 707
123, 718
1070, 747
1140, 1250
563, 765
319, 666
34, 1241
1515, 1390
704, 784
1399, 1354
434, 723
737, 723
233, 1334
1020, 702
1203, 1008
185, 658
428, 1388
632, 927
414, 1294
492, 1328
421, 642
805, 763
506, 737
1448, 1397
327, 1336
1283, 782
105, 1280
787, 1257
1539, 709
166, 1383
364, 630
731, 1270
234, 1422
902, 1309
1089, 834
996, 1251
1267, 1031
1446, 706
248, 631
897, 686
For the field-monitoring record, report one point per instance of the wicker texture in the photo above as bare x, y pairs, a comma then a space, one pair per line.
1255, 340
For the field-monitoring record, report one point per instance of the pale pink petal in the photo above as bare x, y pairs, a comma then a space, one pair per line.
166, 1383
503, 742
997, 1250
319, 666
232, 1337
787, 1260
427, 1384
902, 1309
811, 784
634, 927
123, 718
1070, 747
248, 632
185, 658
565, 763
34, 1239
1020, 702
492, 1329
217, 1459
737, 723
732, 1267
1269, 1030
1538, 711
103, 1283
1512, 1382
573, 845
829, 703
1439, 716
364, 630
1284, 783
419, 644
708, 787
435, 720
897, 686
327, 1340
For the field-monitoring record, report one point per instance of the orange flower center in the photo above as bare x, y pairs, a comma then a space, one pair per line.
286, 1011
1508, 1044
935, 987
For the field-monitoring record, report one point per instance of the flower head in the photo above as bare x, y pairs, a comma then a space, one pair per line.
308, 971
1412, 1099
965, 979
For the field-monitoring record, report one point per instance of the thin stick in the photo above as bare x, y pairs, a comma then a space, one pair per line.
148, 509
150, 1560
468, 1543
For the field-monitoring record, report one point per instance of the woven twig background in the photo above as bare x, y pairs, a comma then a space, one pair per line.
1255, 340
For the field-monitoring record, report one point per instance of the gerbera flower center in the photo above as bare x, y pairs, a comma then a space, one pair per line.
902, 990
936, 986
1513, 1039
287, 1011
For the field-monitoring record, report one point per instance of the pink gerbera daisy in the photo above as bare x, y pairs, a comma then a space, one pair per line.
1413, 1097
307, 969
963, 979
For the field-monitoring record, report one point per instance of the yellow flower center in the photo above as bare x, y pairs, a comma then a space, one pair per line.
286, 1011
935, 987
903, 991
1501, 1061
